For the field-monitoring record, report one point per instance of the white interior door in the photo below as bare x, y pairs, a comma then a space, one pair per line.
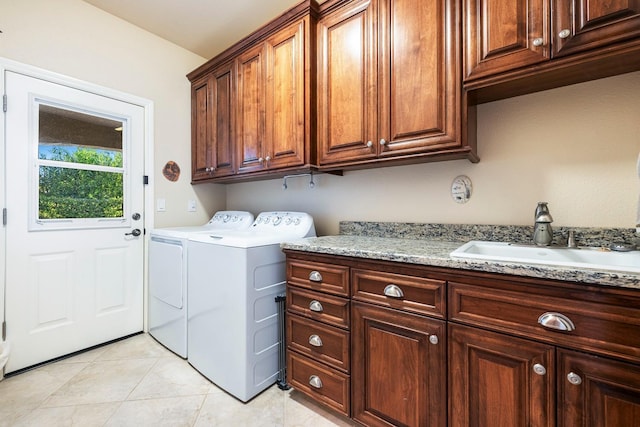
74, 198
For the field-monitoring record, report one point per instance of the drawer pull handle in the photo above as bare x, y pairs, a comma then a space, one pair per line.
315, 381
539, 369
393, 291
557, 321
574, 378
315, 276
316, 306
315, 341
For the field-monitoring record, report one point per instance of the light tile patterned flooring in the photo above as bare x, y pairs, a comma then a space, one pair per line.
138, 382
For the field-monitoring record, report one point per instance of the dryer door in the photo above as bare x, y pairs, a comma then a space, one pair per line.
166, 270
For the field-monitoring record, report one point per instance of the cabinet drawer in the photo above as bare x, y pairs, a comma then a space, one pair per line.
403, 292
323, 384
329, 278
603, 322
319, 341
318, 306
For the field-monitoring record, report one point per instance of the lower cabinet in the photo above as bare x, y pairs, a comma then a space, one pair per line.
596, 391
498, 380
398, 373
394, 344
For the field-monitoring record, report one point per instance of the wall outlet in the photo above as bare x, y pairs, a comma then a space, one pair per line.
191, 206
161, 205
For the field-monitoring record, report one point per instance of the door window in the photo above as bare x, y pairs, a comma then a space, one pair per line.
80, 166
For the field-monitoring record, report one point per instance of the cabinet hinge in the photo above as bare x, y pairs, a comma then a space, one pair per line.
4, 103
4, 330
145, 179
4, 216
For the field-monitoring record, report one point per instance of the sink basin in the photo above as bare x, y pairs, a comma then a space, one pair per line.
594, 258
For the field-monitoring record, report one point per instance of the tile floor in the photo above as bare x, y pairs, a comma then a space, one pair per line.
137, 382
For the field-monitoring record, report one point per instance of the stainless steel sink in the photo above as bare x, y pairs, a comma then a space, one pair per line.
594, 258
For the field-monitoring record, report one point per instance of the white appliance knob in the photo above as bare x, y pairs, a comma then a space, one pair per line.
296, 221
288, 221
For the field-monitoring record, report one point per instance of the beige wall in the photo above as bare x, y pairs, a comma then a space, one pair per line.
73, 38
575, 147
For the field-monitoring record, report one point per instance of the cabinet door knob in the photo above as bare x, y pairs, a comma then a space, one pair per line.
268, 158
315, 276
315, 340
315, 381
564, 33
260, 160
393, 291
557, 321
539, 369
574, 378
369, 144
538, 42
433, 339
383, 141
316, 306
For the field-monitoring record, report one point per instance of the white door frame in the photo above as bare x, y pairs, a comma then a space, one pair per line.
147, 105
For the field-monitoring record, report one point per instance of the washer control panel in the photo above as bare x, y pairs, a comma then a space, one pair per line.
285, 222
231, 220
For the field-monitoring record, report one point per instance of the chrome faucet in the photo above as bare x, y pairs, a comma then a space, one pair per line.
542, 231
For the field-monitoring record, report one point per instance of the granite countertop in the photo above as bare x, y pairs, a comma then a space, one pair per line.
430, 250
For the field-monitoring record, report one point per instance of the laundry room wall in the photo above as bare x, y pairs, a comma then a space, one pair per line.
76, 39
575, 147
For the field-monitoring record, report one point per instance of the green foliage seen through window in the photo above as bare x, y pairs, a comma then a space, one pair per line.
66, 192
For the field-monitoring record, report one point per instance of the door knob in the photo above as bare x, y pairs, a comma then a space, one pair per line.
136, 216
135, 232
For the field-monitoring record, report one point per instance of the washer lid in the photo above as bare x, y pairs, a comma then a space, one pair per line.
221, 220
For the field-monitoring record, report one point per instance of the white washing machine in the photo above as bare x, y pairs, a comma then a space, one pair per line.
168, 249
233, 316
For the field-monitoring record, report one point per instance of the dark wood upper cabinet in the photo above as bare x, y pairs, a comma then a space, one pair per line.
271, 102
521, 46
389, 83
260, 105
211, 121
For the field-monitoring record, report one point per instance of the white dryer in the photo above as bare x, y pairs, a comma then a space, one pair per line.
233, 316
168, 249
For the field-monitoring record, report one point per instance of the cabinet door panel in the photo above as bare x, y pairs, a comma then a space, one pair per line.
250, 113
493, 383
200, 130
593, 23
499, 35
398, 375
285, 97
418, 68
607, 395
346, 84
222, 120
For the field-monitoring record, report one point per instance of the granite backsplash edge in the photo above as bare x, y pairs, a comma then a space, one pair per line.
585, 236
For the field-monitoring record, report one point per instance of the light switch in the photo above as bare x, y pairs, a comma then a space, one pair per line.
191, 206
161, 205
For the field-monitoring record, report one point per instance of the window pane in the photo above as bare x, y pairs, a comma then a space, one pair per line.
77, 193
70, 136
